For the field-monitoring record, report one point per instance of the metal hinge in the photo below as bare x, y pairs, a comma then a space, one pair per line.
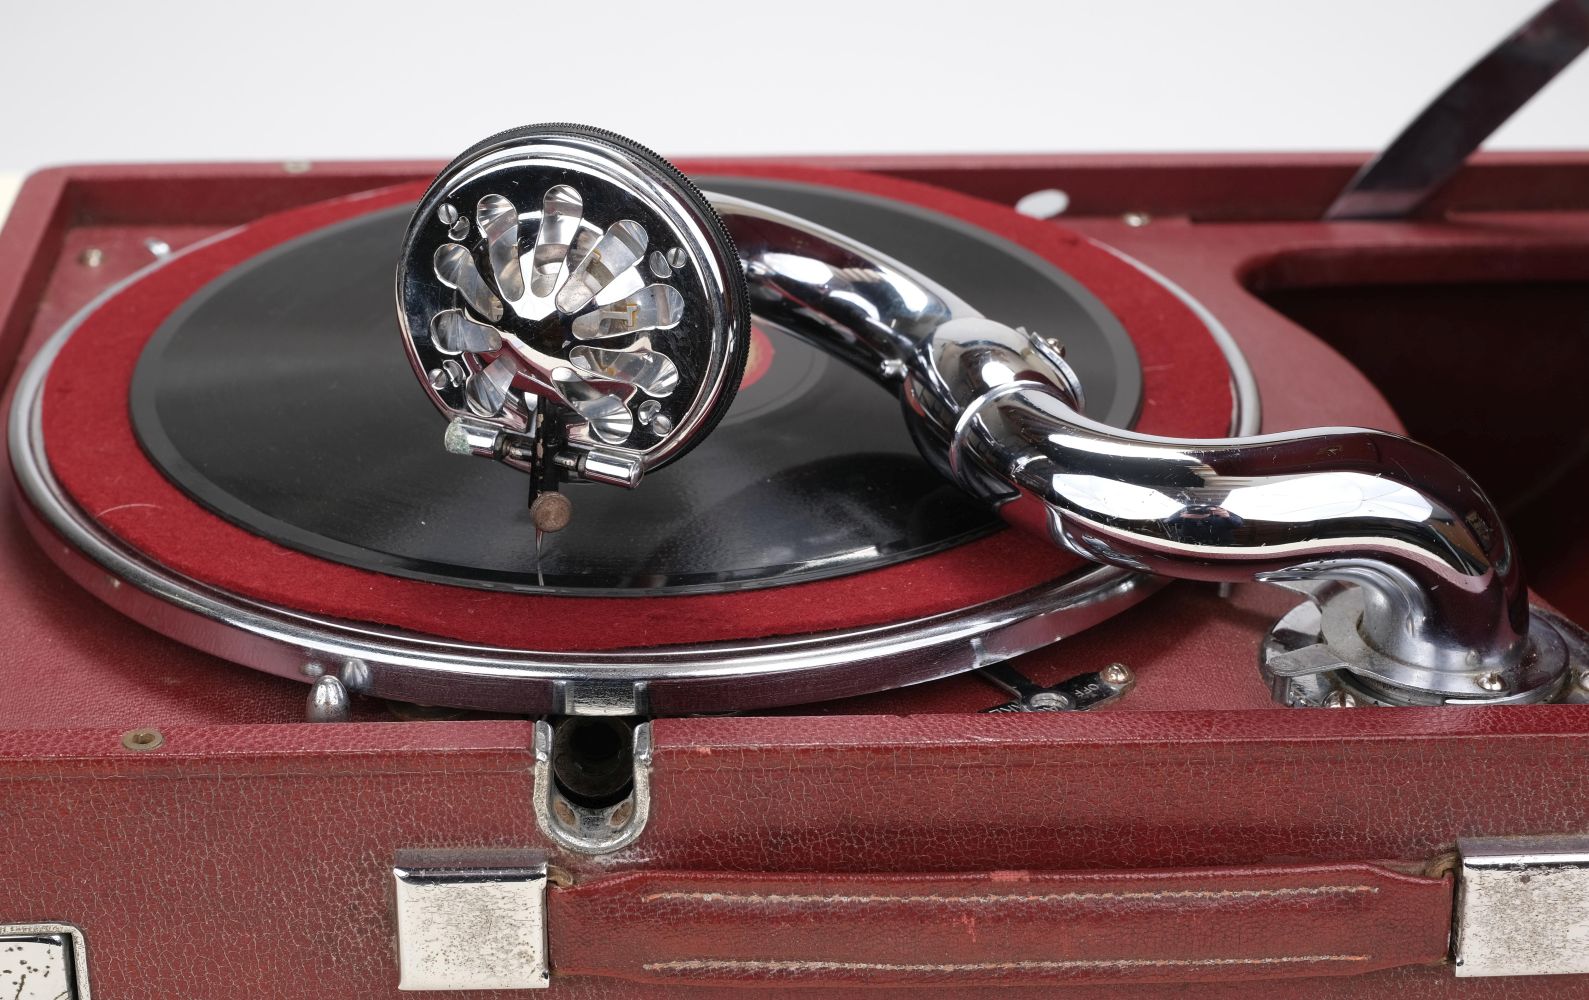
1522, 906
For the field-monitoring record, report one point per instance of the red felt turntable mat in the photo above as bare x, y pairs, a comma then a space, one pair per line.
89, 439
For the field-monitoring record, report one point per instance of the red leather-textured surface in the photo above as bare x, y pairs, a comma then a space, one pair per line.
95, 456
244, 861
260, 855
1000, 928
244, 858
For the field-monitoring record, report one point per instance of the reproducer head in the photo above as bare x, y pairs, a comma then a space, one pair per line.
573, 305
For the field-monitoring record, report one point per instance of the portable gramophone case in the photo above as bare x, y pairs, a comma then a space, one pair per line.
301, 696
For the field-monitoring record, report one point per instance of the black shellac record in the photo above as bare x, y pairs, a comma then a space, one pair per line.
280, 397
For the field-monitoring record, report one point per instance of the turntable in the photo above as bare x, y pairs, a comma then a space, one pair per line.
795, 574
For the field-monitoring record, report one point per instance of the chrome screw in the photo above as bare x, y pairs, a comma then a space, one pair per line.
1116, 674
1048, 701
1492, 682
1340, 699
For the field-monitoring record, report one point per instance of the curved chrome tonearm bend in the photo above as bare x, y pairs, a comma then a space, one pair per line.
1438, 613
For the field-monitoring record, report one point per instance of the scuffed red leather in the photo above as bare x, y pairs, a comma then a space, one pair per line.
1000, 928
246, 858
245, 861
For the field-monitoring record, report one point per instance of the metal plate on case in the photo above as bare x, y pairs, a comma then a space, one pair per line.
43, 962
471, 920
1523, 906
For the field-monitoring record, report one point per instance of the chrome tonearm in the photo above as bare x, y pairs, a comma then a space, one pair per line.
1415, 594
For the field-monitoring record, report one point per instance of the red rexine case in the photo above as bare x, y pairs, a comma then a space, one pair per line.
1193, 840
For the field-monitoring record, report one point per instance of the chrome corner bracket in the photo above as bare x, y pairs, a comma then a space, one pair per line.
573, 307
470, 919
43, 961
1522, 906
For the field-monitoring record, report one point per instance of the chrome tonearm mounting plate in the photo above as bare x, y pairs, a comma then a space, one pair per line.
572, 305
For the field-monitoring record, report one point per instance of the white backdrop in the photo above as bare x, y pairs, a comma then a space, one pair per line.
286, 79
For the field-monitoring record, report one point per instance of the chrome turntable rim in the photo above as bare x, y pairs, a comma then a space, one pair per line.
676, 679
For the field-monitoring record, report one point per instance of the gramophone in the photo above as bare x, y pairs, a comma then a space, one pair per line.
570, 570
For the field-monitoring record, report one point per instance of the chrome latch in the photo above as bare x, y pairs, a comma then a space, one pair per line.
43, 962
1522, 906
471, 920
592, 782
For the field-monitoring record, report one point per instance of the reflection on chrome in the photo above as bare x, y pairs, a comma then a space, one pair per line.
1328, 494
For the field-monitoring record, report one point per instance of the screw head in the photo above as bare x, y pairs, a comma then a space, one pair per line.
564, 813
622, 814
1491, 681
1116, 674
1136, 220
1048, 701
142, 739
1340, 699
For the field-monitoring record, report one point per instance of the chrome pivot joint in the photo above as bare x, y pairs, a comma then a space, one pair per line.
572, 305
